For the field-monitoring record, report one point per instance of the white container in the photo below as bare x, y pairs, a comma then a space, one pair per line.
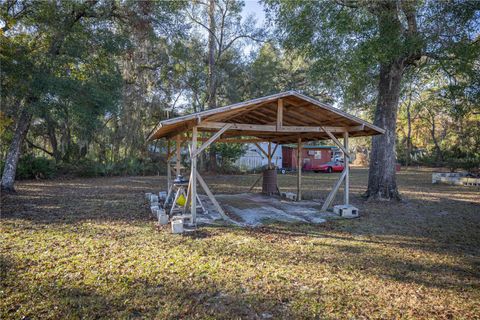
148, 195
162, 218
162, 195
153, 198
177, 226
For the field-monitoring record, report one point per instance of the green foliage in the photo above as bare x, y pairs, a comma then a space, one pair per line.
30, 167
227, 154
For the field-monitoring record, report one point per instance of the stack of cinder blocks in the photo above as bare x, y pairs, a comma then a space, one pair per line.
455, 178
157, 211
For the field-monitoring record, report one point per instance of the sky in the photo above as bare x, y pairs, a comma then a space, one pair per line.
254, 7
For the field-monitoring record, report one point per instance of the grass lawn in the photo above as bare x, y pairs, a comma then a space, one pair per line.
89, 248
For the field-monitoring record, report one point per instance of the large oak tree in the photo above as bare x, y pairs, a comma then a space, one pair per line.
358, 43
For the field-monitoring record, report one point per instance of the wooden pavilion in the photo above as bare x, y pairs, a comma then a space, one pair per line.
287, 117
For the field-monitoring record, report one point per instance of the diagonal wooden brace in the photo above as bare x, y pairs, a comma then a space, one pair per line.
214, 201
212, 139
334, 191
336, 142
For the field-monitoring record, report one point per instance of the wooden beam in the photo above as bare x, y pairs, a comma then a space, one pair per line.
213, 200
212, 139
270, 128
279, 114
234, 140
299, 169
334, 191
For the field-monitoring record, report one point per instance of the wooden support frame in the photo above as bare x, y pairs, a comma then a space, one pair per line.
287, 117
299, 169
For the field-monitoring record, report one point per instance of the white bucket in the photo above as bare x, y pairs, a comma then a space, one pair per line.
148, 195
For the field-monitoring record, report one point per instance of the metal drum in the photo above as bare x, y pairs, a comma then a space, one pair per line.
269, 185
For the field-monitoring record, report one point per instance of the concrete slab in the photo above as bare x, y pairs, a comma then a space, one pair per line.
254, 209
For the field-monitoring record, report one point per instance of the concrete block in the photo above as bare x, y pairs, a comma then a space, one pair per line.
346, 211
162, 218
289, 195
154, 210
177, 226
162, 195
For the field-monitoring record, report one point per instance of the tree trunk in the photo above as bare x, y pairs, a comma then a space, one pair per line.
438, 151
212, 81
409, 133
212, 85
53, 139
382, 182
8, 177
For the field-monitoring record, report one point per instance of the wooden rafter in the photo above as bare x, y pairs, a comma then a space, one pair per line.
270, 128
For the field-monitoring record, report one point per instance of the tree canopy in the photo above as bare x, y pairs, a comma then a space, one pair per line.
83, 83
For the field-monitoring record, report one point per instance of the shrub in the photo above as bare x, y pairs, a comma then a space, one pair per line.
30, 167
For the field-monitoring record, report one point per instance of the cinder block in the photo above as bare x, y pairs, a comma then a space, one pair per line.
177, 226
346, 211
162, 195
154, 210
290, 196
162, 217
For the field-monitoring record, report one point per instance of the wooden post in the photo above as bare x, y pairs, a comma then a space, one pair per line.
178, 156
299, 169
193, 176
269, 154
169, 173
279, 114
346, 163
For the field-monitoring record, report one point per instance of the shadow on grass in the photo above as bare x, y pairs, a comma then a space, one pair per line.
167, 298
